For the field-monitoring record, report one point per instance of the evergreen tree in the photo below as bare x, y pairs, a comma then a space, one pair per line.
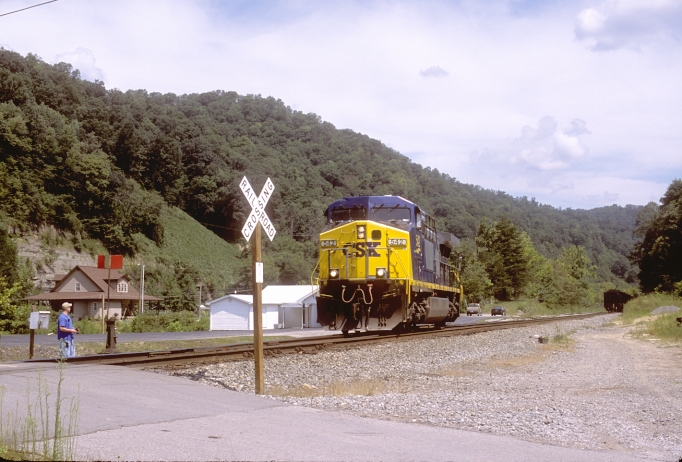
503, 254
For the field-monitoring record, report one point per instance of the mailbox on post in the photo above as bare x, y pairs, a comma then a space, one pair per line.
37, 320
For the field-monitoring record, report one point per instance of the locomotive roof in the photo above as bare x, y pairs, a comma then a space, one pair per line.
367, 201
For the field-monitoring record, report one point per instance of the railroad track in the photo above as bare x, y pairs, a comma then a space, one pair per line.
242, 351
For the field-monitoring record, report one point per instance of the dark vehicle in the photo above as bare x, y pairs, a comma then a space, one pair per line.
615, 299
498, 310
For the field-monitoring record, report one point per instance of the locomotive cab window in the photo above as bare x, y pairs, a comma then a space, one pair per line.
343, 214
391, 213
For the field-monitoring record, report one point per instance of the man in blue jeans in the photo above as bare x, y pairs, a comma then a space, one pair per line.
65, 331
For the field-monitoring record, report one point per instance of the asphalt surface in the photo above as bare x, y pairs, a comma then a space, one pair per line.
128, 414
51, 340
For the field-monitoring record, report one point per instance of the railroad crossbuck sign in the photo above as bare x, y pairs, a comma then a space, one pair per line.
257, 209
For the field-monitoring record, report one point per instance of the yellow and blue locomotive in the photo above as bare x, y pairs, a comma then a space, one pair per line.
383, 265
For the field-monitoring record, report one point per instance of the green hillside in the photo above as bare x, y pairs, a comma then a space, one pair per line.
188, 241
120, 167
187, 254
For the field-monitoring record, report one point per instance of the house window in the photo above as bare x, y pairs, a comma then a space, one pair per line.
78, 287
122, 287
94, 306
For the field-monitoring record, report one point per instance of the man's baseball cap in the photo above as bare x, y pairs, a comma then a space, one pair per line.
66, 305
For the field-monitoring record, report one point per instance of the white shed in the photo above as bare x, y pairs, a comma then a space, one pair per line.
235, 312
296, 305
283, 306
231, 312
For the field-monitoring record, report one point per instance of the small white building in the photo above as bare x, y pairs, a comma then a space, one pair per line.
283, 306
296, 305
231, 312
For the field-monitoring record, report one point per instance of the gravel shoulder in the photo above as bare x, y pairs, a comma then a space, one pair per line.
601, 389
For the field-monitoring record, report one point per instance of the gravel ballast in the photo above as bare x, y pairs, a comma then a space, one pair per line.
600, 389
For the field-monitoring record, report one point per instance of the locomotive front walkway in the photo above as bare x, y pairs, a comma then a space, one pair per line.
128, 414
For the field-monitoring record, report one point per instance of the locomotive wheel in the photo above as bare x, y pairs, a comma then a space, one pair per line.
345, 333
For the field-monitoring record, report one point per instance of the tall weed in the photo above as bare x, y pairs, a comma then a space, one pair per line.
42, 434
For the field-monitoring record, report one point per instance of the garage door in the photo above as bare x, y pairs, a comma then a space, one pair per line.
270, 317
231, 317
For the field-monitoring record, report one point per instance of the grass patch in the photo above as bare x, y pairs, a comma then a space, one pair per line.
362, 387
561, 339
513, 363
43, 433
643, 306
662, 327
665, 327
533, 308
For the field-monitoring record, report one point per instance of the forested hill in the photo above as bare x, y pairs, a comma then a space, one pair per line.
104, 163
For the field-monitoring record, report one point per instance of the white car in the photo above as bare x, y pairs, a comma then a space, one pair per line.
474, 308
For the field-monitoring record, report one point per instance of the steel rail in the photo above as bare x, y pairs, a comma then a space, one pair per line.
243, 351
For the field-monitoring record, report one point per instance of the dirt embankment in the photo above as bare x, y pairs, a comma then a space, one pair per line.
49, 260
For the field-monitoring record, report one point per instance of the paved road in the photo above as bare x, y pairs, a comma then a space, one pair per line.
128, 414
51, 340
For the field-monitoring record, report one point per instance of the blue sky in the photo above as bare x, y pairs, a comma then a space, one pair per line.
577, 104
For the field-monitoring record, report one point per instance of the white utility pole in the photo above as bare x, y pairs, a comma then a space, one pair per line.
142, 290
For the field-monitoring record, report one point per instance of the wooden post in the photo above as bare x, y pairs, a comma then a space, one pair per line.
101, 315
31, 342
257, 313
108, 286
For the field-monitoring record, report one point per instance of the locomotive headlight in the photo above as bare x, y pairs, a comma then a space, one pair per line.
361, 232
333, 273
381, 272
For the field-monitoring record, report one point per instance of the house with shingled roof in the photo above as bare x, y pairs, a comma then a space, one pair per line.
87, 288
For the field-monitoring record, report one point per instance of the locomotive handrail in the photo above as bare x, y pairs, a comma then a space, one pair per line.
314, 269
399, 261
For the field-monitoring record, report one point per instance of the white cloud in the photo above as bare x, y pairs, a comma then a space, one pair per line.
360, 65
434, 71
629, 23
547, 147
83, 60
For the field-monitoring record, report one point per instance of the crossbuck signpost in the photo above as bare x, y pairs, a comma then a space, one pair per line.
257, 218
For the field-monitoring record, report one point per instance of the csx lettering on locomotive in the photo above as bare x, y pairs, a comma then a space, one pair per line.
363, 248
